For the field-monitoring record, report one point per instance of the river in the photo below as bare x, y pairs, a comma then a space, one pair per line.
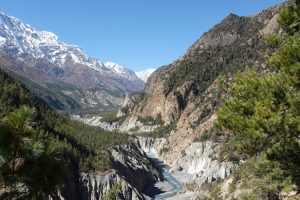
166, 175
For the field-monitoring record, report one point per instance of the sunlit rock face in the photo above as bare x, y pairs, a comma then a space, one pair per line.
201, 160
152, 145
95, 186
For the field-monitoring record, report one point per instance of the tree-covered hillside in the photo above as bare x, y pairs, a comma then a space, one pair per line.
229, 47
261, 117
37, 142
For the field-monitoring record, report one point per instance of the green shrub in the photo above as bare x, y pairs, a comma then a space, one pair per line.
160, 132
150, 120
113, 192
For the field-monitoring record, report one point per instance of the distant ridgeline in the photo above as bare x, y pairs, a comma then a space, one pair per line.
62, 74
37, 142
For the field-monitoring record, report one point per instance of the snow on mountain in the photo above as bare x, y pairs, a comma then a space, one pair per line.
145, 73
21, 40
120, 70
85, 82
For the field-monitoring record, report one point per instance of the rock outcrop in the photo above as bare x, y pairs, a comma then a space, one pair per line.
187, 94
201, 160
152, 145
132, 162
130, 178
190, 102
96, 121
96, 186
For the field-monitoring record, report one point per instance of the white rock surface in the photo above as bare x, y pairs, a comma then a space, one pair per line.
200, 160
185, 196
95, 186
96, 121
152, 145
133, 125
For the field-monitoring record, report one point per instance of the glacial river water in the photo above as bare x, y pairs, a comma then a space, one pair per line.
176, 186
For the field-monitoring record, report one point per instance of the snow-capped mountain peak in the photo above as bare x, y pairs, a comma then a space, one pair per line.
120, 70
47, 56
22, 40
144, 75
115, 67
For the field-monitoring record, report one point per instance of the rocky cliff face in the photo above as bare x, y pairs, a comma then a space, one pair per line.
220, 51
132, 163
96, 121
96, 186
187, 94
130, 178
152, 145
201, 160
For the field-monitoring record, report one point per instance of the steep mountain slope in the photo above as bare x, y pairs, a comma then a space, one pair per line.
231, 46
94, 163
144, 75
121, 70
62, 68
185, 95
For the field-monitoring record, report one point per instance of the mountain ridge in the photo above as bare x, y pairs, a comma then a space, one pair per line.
185, 94
44, 44
182, 100
49, 61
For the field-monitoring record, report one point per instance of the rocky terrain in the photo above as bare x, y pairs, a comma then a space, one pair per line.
198, 164
152, 145
186, 94
132, 162
200, 159
186, 101
98, 185
96, 121
129, 162
132, 176
175, 153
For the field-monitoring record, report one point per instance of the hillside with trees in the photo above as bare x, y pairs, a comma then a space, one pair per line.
261, 116
235, 92
37, 142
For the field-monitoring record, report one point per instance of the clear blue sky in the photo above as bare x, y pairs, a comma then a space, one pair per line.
135, 33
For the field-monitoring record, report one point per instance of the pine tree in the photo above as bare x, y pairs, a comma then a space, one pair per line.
28, 167
262, 112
